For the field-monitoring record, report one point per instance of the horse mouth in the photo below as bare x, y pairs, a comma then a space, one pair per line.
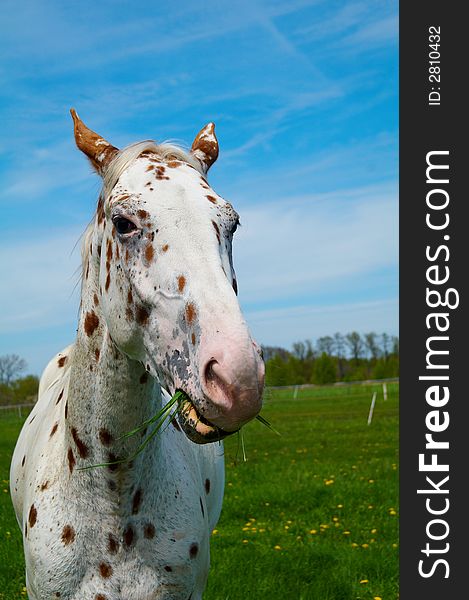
196, 427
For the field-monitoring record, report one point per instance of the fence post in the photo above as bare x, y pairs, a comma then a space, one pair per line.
385, 391
295, 393
372, 406
19, 412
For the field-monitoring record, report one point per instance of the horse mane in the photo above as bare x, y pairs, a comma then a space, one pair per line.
123, 159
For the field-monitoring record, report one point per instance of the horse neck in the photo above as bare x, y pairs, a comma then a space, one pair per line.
109, 393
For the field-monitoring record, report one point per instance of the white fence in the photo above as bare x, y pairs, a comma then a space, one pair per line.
19, 410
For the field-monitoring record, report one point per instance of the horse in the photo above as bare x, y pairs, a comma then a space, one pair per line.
103, 516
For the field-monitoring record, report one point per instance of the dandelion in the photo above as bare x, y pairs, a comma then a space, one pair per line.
214, 532
277, 547
365, 546
328, 481
354, 545
313, 531
335, 519
346, 533
377, 598
374, 531
392, 512
340, 506
267, 503
394, 545
370, 506
245, 541
261, 530
364, 581
252, 520
371, 480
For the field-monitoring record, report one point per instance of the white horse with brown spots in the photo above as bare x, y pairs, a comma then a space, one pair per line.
158, 312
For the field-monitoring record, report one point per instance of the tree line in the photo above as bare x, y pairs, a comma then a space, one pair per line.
350, 357
15, 389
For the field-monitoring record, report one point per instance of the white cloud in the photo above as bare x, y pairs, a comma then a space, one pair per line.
282, 327
313, 244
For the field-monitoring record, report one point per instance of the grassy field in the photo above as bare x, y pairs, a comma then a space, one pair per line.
311, 515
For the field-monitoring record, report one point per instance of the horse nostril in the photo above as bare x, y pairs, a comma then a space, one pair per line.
215, 383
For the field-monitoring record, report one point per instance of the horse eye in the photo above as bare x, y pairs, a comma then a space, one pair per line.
123, 225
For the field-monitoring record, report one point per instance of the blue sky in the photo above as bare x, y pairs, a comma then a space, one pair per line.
305, 99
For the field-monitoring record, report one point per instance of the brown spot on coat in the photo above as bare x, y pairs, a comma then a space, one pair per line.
217, 230
143, 214
149, 252
112, 459
32, 517
142, 315
68, 535
130, 298
53, 430
150, 168
60, 397
129, 535
181, 282
82, 448
108, 251
44, 486
165, 248
112, 544
193, 550
126, 255
212, 199
137, 501
95, 299
149, 531
100, 597
71, 460
100, 210
91, 323
173, 164
190, 313
207, 486
129, 314
61, 361
105, 570
97, 353
104, 436
193, 339
108, 282
99, 250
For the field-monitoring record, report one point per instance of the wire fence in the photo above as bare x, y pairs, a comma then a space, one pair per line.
22, 410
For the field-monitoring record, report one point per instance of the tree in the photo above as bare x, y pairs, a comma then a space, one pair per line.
325, 344
355, 344
11, 366
324, 369
372, 344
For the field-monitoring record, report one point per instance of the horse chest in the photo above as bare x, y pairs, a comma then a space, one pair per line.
147, 544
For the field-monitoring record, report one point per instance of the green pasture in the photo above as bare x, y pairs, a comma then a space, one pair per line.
310, 515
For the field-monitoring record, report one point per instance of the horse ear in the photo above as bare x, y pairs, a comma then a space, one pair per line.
205, 146
97, 149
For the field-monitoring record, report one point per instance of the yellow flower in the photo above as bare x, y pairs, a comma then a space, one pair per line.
252, 520
371, 480
354, 545
377, 598
277, 547
370, 505
374, 531
245, 542
340, 506
335, 518
392, 513
214, 532
328, 481
364, 581
313, 531
346, 532
365, 546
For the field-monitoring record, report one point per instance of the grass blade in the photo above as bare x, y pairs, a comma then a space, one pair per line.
267, 424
